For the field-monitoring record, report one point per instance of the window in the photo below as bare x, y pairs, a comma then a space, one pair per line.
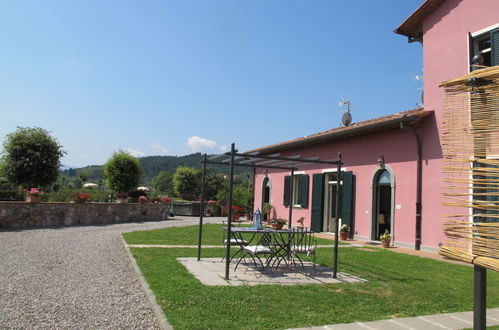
300, 190
487, 45
485, 198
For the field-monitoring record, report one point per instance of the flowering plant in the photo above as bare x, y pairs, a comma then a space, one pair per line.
279, 221
235, 209
34, 192
166, 200
143, 198
78, 196
385, 236
212, 202
345, 228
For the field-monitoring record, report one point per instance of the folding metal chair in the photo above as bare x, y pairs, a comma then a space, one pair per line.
233, 241
303, 242
263, 247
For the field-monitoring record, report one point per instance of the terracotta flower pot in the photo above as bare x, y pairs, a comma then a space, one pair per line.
33, 199
386, 243
343, 235
277, 225
235, 216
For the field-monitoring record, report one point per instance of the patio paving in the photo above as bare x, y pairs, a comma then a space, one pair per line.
211, 271
456, 321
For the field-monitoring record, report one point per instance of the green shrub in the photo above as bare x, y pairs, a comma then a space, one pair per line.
63, 195
122, 172
31, 157
187, 182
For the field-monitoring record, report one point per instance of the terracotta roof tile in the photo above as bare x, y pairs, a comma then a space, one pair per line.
356, 129
413, 25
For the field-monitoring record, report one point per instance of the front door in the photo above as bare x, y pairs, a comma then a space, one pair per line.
324, 201
265, 195
382, 204
329, 217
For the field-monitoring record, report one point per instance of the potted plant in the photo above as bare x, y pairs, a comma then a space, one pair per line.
385, 239
278, 223
267, 208
344, 232
236, 212
143, 199
211, 208
79, 197
33, 195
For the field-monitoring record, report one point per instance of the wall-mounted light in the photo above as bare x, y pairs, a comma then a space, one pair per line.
381, 161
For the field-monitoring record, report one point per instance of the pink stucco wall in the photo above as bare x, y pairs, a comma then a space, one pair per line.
360, 156
446, 56
446, 53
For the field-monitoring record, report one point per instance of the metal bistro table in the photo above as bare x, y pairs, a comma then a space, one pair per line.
273, 243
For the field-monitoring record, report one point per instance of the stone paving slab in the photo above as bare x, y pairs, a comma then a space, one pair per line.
452, 321
211, 271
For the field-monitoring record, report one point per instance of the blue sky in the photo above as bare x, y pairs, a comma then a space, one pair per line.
175, 77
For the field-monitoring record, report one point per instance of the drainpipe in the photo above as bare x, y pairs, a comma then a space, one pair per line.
419, 183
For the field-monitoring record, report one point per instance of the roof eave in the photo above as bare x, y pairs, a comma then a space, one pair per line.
354, 132
412, 27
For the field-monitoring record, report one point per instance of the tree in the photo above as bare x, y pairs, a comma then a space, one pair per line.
32, 157
122, 172
84, 175
163, 182
214, 183
186, 181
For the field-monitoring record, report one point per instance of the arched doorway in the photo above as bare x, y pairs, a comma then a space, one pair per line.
383, 193
265, 194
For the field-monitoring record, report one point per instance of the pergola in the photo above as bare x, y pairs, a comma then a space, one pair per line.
275, 161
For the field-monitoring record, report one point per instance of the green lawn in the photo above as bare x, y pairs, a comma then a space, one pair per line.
212, 235
399, 286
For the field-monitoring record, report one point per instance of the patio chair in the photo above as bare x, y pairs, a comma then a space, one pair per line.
303, 243
234, 241
263, 247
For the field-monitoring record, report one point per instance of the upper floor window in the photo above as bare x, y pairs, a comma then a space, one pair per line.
487, 45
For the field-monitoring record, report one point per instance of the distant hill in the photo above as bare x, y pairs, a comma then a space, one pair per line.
152, 165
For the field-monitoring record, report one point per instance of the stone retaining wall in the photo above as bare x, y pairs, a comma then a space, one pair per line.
30, 215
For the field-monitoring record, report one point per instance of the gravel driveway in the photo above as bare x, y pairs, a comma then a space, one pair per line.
73, 277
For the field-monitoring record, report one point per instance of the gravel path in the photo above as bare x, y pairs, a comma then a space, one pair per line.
73, 277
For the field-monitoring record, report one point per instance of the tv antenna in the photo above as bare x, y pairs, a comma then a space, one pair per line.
419, 77
346, 119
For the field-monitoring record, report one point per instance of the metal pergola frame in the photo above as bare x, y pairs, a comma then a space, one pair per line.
274, 161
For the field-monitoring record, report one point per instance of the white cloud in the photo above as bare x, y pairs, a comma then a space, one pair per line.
135, 153
159, 149
198, 144
223, 148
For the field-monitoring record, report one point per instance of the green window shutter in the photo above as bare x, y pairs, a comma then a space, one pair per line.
304, 191
287, 182
346, 199
494, 41
317, 201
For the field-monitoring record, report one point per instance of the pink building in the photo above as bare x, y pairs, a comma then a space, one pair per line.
392, 178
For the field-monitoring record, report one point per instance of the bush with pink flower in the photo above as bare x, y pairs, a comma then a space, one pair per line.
37, 192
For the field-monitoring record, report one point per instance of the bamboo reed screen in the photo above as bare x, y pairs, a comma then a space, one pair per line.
470, 143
